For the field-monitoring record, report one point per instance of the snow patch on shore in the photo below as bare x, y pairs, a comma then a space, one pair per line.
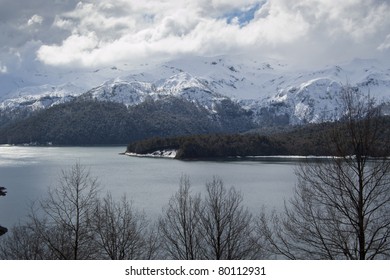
157, 154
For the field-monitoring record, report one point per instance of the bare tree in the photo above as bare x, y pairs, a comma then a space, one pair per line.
179, 226
65, 221
226, 224
217, 227
121, 231
341, 207
23, 243
74, 223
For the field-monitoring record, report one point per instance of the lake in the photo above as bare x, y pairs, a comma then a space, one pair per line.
27, 173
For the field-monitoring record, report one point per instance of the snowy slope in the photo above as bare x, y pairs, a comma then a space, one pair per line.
272, 90
40, 97
132, 92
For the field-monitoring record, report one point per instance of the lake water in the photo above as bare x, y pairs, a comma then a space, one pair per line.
27, 172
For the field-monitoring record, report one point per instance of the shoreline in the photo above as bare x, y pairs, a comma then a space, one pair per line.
167, 155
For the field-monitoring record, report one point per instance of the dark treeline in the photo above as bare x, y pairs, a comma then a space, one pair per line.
86, 121
309, 140
317, 139
211, 146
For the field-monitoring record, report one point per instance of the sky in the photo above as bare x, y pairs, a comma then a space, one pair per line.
69, 34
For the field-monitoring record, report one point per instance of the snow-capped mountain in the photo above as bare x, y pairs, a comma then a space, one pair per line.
273, 91
313, 97
132, 92
40, 97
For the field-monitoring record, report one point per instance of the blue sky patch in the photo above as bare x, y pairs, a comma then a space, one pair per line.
243, 16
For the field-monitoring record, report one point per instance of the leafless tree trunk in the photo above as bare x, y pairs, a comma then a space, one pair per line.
179, 226
73, 223
341, 207
121, 231
23, 243
218, 227
65, 224
226, 224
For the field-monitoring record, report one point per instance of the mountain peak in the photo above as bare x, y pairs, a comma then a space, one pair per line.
265, 87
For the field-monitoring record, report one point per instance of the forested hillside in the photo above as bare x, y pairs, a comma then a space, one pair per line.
211, 146
90, 122
309, 140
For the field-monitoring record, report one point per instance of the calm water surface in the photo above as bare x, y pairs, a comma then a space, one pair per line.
27, 173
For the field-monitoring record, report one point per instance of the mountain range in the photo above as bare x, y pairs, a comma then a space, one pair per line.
223, 89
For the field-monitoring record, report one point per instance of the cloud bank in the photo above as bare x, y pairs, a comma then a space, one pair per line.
97, 33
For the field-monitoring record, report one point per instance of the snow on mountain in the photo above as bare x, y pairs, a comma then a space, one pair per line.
190, 88
132, 92
122, 91
269, 88
315, 96
40, 97
316, 100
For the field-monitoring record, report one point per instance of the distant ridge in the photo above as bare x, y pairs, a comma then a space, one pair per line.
225, 94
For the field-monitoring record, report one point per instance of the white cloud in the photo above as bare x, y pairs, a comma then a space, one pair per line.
276, 22
35, 19
103, 32
76, 49
385, 45
3, 68
63, 23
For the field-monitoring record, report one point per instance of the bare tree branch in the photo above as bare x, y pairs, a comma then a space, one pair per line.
341, 207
